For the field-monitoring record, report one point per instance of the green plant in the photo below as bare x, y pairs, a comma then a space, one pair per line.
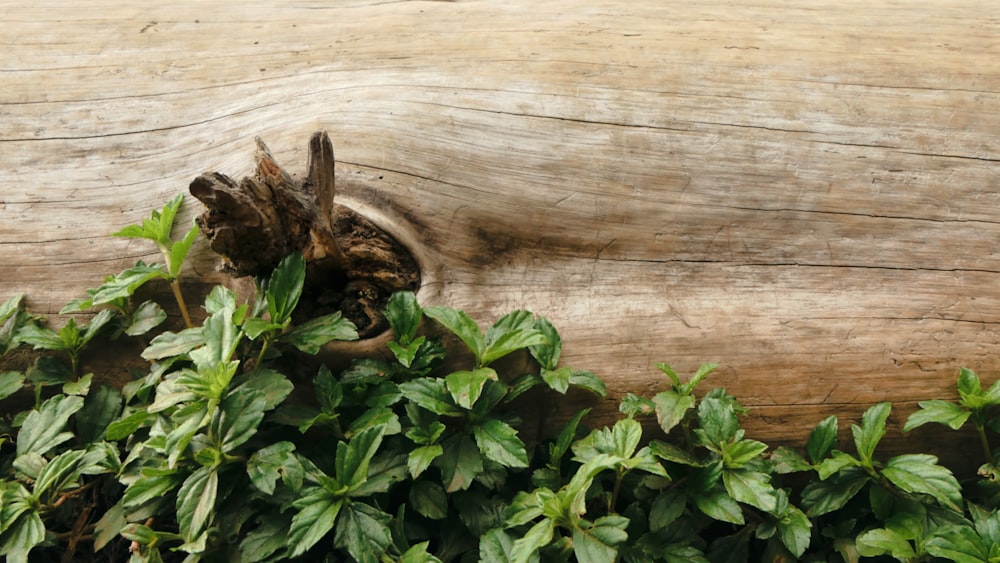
214, 452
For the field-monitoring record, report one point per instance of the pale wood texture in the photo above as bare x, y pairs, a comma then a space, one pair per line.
805, 192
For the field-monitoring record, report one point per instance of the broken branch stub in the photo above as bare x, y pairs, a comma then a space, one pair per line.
353, 266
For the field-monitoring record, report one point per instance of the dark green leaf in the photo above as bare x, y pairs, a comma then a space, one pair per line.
823, 497
822, 439
547, 353
264, 540
429, 499
672, 453
718, 505
460, 462
582, 379
196, 501
42, 429
363, 531
871, 431
787, 460
47, 370
566, 437
499, 443
353, 458
403, 313
941, 412
558, 379
419, 459
276, 461
526, 548
462, 326
10, 382
597, 543
431, 394
960, 544
497, 545
671, 407
21, 536
285, 287
310, 336
666, 509
466, 386
318, 510
102, 406
750, 487
106, 529
273, 386
920, 473
385, 470
718, 422
795, 530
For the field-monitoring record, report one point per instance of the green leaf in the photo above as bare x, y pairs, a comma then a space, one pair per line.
318, 510
126, 425
102, 406
461, 325
466, 386
671, 407
823, 497
750, 487
403, 313
43, 338
221, 338
699, 375
538, 536
256, 326
237, 418
431, 394
179, 250
264, 540
460, 462
597, 543
406, 355
582, 379
61, 471
157, 228
124, 285
276, 461
21, 536
419, 459
499, 443
673, 453
718, 421
312, 335
920, 473
10, 382
170, 344
968, 383
145, 318
42, 429
666, 509
566, 437
196, 501
514, 331
787, 460
558, 379
363, 531
385, 470
823, 439
547, 353
941, 412
835, 463
353, 457
151, 485
429, 499
960, 544
871, 431
273, 386
717, 504
497, 545
795, 530
418, 554
284, 288
742, 452
881, 541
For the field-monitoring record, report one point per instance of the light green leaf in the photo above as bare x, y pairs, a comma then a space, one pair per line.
941, 412
179, 250
466, 386
318, 510
21, 536
237, 418
582, 379
418, 554
462, 326
881, 541
835, 463
718, 422
363, 531
221, 338
499, 443
920, 473
742, 452
58, 473
795, 530
169, 344
750, 487
671, 407
699, 375
354, 457
256, 326
526, 548
126, 425
145, 318
557, 379
786, 460
312, 335
547, 353
151, 485
10, 382
717, 504
42, 429
597, 543
273, 385
514, 331
125, 284
196, 502
960, 544
405, 355
460, 462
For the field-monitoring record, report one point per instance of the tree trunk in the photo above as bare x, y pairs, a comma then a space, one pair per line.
804, 192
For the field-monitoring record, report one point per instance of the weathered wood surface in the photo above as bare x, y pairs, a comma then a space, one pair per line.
805, 192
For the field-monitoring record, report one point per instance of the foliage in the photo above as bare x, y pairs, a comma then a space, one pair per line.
210, 454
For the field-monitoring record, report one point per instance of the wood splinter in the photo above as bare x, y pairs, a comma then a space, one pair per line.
353, 266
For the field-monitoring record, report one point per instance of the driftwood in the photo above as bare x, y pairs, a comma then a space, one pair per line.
802, 191
353, 265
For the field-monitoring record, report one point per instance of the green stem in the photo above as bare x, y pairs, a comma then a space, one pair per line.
176, 287
984, 442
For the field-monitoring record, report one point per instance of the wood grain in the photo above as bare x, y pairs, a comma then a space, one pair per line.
804, 192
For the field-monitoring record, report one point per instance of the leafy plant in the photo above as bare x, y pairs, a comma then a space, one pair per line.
235, 443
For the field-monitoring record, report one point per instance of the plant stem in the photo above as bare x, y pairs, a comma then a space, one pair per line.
176, 287
984, 442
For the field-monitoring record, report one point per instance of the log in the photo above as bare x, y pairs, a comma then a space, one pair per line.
802, 191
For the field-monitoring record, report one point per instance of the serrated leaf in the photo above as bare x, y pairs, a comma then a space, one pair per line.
666, 509
673, 453
588, 381
461, 325
151, 485
312, 335
272, 385
363, 531
558, 379
431, 394
699, 375
418, 554
465, 387
21, 536
742, 452
499, 443
514, 331
42, 429
671, 407
920, 473
264, 540
318, 510
941, 412
179, 250
125, 284
718, 422
497, 545
276, 461
795, 530
822, 439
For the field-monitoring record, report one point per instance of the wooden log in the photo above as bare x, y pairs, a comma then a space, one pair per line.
803, 191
